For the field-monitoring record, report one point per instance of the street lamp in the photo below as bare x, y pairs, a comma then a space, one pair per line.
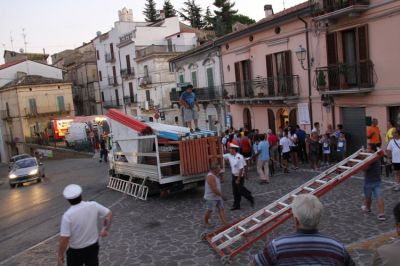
301, 55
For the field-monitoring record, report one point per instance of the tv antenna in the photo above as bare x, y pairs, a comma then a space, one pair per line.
12, 41
24, 36
283, 2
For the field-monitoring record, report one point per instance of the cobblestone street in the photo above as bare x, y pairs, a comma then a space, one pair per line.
166, 231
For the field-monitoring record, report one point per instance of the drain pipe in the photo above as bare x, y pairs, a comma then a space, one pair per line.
308, 69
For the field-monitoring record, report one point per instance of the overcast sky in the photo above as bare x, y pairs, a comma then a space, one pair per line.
56, 25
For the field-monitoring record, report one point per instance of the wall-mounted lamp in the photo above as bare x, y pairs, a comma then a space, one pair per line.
301, 55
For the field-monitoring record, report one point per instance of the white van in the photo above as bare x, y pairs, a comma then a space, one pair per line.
76, 133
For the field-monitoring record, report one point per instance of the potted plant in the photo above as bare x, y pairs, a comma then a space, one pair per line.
321, 80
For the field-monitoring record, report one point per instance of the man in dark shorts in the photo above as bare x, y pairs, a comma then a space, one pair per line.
190, 107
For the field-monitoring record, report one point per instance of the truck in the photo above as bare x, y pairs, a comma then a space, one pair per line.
148, 158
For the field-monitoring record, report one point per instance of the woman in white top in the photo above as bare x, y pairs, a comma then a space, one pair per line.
294, 148
285, 144
393, 155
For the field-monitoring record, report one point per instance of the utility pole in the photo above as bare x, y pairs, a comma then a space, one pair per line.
12, 41
24, 36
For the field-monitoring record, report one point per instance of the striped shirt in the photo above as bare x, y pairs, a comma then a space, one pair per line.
306, 247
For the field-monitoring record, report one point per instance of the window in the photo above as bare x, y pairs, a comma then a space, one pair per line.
117, 97
194, 79
131, 97
181, 78
128, 64
210, 77
32, 106
7, 110
279, 73
114, 74
148, 95
97, 54
60, 103
102, 96
112, 51
146, 71
100, 76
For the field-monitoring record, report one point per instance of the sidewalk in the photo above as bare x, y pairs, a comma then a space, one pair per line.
166, 231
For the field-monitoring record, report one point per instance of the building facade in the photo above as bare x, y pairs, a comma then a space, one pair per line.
356, 75
265, 87
27, 105
202, 68
11, 56
81, 70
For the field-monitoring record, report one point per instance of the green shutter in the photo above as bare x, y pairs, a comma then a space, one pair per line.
181, 78
194, 79
60, 102
32, 106
210, 77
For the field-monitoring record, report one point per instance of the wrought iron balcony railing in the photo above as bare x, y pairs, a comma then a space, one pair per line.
345, 78
128, 73
321, 7
162, 49
109, 57
202, 94
112, 81
273, 88
112, 104
47, 110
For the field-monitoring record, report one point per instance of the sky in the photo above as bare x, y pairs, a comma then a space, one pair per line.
56, 25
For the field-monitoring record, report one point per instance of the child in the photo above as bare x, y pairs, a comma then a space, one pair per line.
341, 147
372, 185
326, 148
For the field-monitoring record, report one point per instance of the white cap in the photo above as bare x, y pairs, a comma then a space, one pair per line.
72, 191
233, 146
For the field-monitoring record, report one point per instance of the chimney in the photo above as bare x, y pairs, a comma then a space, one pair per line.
268, 10
125, 15
162, 14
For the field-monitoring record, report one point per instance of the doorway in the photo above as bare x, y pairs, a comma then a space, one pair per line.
293, 118
247, 119
282, 118
271, 120
354, 127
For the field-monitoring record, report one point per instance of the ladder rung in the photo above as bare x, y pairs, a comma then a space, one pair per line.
366, 153
270, 212
227, 236
309, 189
256, 220
283, 204
355, 160
321, 181
294, 195
344, 167
241, 228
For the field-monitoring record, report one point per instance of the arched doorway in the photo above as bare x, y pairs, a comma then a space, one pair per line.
271, 120
247, 119
293, 117
282, 118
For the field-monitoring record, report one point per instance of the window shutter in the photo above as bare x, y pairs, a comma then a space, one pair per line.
331, 49
270, 75
194, 79
365, 69
128, 64
181, 78
287, 78
131, 92
210, 77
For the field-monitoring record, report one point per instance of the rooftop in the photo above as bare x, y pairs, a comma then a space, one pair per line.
32, 80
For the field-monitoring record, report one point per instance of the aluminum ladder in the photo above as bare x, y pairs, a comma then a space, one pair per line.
136, 190
228, 241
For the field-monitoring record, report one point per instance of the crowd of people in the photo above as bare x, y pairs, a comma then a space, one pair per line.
290, 146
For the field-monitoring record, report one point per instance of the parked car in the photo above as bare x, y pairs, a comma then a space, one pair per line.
26, 170
17, 158
77, 133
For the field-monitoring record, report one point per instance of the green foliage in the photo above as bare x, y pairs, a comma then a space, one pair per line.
225, 14
169, 9
150, 11
191, 12
243, 19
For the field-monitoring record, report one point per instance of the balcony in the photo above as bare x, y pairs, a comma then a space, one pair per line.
131, 101
162, 50
42, 111
112, 104
128, 73
206, 94
109, 57
145, 81
112, 81
334, 9
345, 78
262, 90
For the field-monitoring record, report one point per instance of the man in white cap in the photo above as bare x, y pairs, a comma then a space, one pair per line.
237, 163
79, 232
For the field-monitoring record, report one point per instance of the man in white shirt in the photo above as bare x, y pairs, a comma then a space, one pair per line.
393, 155
237, 163
285, 144
79, 232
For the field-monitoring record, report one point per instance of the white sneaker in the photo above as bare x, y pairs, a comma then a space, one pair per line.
365, 209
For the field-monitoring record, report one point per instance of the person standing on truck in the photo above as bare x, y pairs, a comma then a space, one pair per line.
79, 233
237, 163
213, 194
190, 107
103, 150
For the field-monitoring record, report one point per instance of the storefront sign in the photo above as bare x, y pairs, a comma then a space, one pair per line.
303, 113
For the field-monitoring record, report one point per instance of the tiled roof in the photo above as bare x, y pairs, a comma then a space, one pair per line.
32, 80
3, 66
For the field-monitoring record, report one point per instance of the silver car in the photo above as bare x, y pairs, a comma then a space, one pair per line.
26, 170
17, 158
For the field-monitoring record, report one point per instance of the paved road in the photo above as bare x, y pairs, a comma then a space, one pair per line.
166, 231
32, 213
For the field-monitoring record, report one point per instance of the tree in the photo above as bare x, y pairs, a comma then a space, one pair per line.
242, 19
225, 16
209, 20
150, 11
169, 9
192, 12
